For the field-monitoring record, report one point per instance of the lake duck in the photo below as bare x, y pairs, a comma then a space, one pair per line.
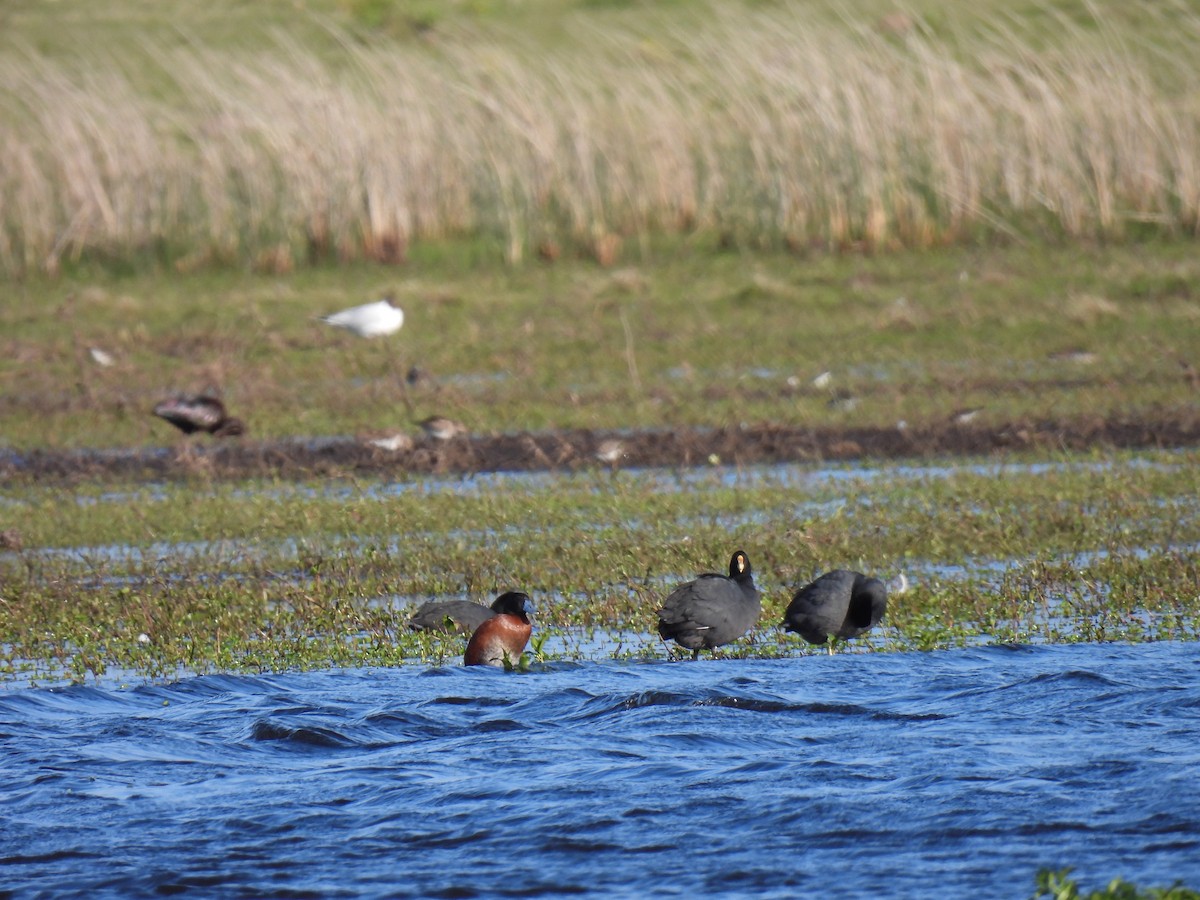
840, 604
501, 639
450, 615
199, 413
713, 609
378, 319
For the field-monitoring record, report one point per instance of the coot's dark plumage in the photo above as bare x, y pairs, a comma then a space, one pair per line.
501, 640
712, 610
199, 413
450, 615
840, 604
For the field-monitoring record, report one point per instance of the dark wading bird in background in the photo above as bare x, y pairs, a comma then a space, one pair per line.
441, 428
712, 610
610, 452
200, 413
501, 639
840, 605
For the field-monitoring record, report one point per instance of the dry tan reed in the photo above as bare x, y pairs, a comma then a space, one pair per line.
763, 128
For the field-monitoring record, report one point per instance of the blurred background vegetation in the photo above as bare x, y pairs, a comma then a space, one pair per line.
282, 134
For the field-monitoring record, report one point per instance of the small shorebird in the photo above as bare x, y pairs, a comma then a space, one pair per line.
416, 375
1075, 355
442, 429
610, 451
199, 413
391, 441
383, 317
101, 357
842, 401
965, 416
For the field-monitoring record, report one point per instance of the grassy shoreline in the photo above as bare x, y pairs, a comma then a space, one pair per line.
689, 338
265, 575
274, 576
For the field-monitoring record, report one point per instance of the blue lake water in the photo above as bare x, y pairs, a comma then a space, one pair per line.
956, 773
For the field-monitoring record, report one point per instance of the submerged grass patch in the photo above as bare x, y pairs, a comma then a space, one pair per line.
268, 576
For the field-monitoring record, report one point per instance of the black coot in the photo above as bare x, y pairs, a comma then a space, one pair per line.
839, 604
462, 615
712, 610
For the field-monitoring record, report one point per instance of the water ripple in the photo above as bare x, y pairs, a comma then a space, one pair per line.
264, 730
964, 771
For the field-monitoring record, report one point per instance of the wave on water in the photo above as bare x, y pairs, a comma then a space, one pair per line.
964, 770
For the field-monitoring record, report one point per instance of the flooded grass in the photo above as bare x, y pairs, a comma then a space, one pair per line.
775, 299
168, 579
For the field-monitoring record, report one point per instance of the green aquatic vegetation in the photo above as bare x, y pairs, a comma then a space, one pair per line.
980, 510
1093, 548
720, 311
1058, 884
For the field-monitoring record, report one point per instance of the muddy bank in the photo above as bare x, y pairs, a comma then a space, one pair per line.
575, 449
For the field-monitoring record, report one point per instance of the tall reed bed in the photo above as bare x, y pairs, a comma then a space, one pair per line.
765, 128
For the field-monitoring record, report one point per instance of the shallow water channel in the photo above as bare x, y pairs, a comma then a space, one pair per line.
953, 773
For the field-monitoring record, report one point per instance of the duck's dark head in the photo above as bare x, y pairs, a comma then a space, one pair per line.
513, 603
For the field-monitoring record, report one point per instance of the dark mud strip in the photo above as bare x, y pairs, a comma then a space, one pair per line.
574, 449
